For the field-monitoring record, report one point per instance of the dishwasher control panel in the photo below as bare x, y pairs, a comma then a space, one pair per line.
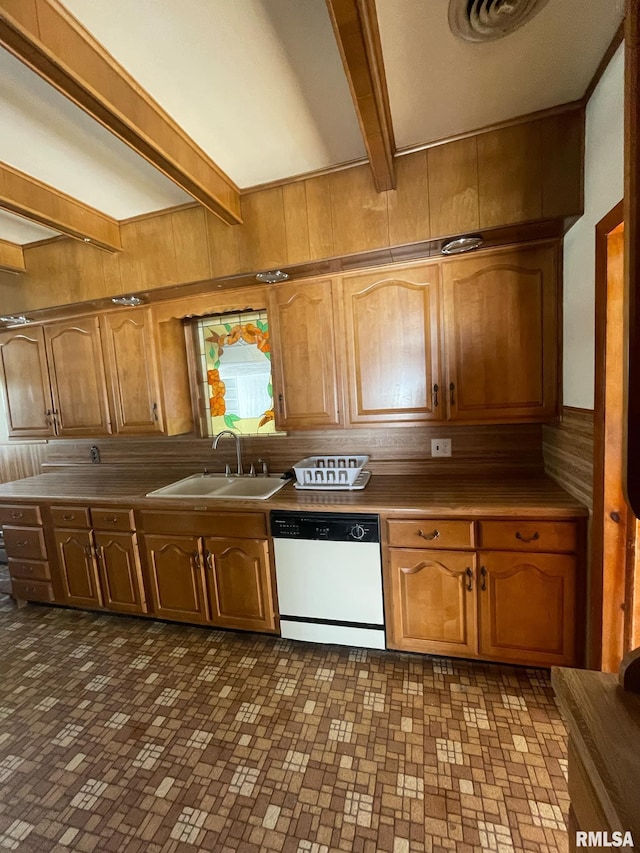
331, 527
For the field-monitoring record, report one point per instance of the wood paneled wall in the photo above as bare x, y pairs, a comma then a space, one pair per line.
485, 449
523, 173
568, 452
21, 460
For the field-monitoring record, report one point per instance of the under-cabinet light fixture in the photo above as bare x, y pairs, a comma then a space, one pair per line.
462, 244
272, 277
19, 320
130, 301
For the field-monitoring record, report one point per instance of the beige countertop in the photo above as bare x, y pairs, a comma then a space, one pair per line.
465, 496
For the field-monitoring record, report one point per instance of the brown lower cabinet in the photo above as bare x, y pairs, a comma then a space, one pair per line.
515, 606
216, 581
212, 568
100, 569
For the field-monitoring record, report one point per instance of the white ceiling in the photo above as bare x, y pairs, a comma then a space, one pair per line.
259, 85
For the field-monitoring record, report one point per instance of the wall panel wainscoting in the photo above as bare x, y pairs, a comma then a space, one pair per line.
568, 452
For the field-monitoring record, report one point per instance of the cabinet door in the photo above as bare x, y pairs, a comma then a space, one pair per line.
305, 367
78, 569
501, 335
391, 332
527, 607
433, 601
26, 388
176, 577
120, 573
239, 583
129, 351
77, 377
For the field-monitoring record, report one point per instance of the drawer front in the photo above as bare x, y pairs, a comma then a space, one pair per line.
230, 525
32, 590
529, 535
431, 533
70, 516
29, 570
113, 519
20, 514
25, 543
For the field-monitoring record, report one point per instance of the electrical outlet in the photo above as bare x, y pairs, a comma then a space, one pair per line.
441, 447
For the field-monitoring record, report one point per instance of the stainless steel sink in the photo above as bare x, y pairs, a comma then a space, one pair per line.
222, 486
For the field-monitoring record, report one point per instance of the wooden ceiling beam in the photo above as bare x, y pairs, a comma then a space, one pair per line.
47, 38
11, 257
355, 25
41, 203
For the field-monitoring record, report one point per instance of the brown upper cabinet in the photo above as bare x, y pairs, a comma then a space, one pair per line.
130, 358
93, 376
501, 335
392, 342
27, 393
78, 381
306, 373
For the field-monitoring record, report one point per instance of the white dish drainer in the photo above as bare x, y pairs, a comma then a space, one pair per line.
336, 471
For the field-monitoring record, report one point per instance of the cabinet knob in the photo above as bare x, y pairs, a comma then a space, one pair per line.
429, 536
527, 539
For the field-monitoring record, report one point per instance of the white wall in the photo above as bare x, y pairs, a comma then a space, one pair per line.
603, 189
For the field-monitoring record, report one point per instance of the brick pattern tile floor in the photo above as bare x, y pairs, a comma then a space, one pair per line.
126, 735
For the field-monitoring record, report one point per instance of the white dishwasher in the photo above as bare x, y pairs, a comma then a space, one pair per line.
329, 577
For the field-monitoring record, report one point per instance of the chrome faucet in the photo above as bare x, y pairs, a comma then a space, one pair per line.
236, 438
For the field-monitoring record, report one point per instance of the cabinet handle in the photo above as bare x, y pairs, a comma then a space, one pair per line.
88, 550
68, 517
522, 538
469, 575
22, 543
429, 536
17, 514
209, 559
111, 520
154, 410
435, 396
281, 403
483, 574
195, 558
452, 399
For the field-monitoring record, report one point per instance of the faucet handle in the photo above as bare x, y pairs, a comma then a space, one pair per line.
265, 468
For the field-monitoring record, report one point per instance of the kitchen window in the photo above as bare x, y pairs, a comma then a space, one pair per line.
233, 360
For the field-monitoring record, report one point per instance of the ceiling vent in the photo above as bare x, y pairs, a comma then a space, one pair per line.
488, 20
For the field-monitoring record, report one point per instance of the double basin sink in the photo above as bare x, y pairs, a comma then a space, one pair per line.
222, 486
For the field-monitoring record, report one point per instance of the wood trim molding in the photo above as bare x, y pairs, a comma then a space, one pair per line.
11, 257
47, 38
632, 236
615, 43
489, 128
355, 26
41, 203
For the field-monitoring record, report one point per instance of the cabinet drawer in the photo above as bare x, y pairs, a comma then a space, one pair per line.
431, 533
29, 570
230, 525
32, 590
70, 516
25, 543
20, 514
529, 535
113, 519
